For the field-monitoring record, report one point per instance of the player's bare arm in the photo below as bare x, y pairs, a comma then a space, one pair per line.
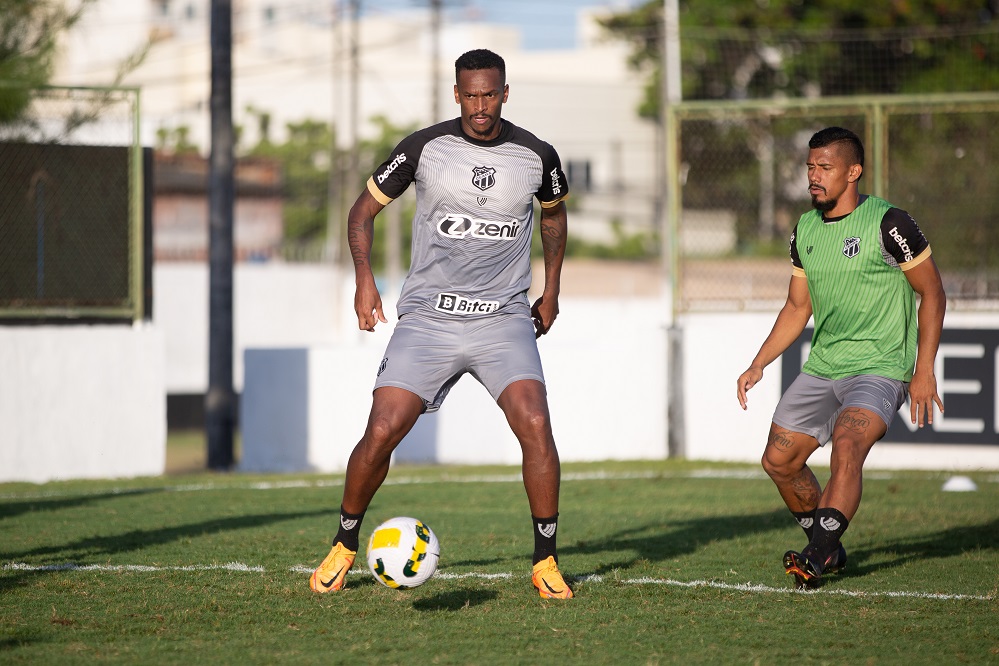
554, 224
791, 321
925, 281
360, 235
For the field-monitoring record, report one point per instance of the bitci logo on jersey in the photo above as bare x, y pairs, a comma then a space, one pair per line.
461, 305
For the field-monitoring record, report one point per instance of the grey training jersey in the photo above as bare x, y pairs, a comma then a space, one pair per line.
474, 216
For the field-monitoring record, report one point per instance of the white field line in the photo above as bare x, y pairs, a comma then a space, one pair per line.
589, 579
514, 477
442, 478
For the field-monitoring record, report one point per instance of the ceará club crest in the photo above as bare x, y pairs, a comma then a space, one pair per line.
483, 177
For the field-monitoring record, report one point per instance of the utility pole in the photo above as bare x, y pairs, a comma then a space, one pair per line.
220, 400
435, 62
355, 69
670, 214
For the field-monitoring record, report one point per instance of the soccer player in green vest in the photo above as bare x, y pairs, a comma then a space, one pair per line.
857, 264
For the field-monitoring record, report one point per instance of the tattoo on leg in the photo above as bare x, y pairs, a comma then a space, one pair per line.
806, 489
854, 420
781, 439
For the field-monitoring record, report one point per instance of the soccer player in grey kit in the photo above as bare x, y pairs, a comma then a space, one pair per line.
463, 306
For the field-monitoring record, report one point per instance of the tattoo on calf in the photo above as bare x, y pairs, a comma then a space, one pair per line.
806, 489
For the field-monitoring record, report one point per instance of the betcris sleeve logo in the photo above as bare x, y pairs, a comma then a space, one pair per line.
455, 225
556, 183
390, 167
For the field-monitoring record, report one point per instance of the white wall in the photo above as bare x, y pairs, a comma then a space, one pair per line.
719, 347
605, 365
305, 408
81, 402
274, 305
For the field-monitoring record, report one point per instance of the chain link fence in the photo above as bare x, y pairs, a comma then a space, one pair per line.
739, 169
71, 206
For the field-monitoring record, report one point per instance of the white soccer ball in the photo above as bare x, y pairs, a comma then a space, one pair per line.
403, 553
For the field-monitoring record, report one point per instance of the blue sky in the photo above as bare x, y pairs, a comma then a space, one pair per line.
544, 24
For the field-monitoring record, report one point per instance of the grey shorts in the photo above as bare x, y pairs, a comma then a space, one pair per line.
427, 356
812, 404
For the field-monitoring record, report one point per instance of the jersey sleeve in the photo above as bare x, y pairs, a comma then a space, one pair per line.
903, 240
554, 185
796, 267
394, 175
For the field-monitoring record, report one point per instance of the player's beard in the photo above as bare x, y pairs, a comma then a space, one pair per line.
823, 206
484, 131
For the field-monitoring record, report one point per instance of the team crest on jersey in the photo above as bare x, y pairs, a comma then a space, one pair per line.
483, 177
851, 247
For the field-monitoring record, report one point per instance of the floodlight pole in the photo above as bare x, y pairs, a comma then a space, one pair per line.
220, 401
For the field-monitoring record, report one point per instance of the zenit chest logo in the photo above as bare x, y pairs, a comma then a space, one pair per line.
459, 226
851, 247
483, 177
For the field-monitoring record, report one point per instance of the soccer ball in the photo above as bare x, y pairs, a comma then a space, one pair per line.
403, 553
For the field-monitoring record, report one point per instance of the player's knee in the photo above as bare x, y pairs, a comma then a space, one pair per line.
383, 432
848, 453
777, 468
533, 421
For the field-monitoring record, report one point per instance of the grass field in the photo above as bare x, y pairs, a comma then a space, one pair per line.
672, 562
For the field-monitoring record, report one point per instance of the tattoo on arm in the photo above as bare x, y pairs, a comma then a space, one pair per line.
551, 239
359, 236
553, 236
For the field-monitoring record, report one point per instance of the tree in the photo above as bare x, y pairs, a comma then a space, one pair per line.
29, 34
788, 48
734, 50
306, 156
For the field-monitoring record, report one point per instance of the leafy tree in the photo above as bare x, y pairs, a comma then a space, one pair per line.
29, 34
790, 48
306, 157
832, 47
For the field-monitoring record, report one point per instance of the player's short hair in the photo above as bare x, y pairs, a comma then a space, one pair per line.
831, 135
479, 59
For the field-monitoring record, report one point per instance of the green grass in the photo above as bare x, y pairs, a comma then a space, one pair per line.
670, 566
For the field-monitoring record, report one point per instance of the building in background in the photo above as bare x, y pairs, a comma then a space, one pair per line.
180, 216
292, 61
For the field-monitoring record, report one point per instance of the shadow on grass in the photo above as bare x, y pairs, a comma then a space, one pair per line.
17, 642
656, 542
91, 549
455, 600
945, 543
10, 509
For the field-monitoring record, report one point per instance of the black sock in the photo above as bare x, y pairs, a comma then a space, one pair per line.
830, 525
806, 520
350, 529
544, 537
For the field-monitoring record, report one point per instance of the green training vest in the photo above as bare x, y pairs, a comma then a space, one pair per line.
863, 307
